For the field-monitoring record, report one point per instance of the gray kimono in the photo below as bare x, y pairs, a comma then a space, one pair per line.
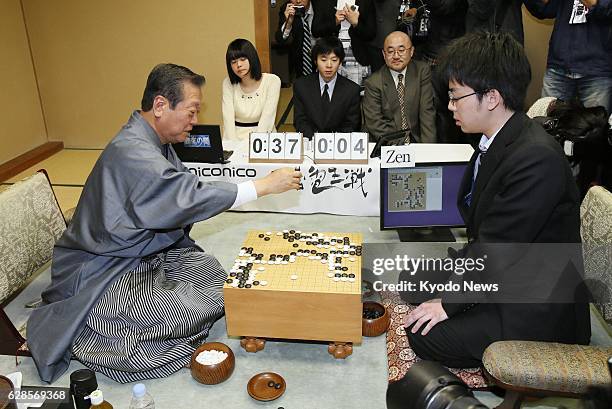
138, 201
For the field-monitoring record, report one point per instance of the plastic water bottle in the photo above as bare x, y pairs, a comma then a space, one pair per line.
140, 398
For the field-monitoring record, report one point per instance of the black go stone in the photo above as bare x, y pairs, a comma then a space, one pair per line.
232, 274
337, 275
344, 275
229, 281
291, 231
261, 236
344, 268
247, 286
266, 238
295, 244
277, 386
240, 285
313, 252
255, 282
351, 275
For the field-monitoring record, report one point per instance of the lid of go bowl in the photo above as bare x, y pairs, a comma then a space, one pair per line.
139, 390
84, 380
96, 397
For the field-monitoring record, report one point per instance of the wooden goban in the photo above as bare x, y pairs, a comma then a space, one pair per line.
312, 307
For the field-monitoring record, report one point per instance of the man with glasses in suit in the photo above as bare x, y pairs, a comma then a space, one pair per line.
400, 95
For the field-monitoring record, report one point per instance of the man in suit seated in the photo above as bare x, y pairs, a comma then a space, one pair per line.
400, 95
518, 190
325, 101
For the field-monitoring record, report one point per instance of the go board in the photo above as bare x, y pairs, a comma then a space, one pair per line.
296, 285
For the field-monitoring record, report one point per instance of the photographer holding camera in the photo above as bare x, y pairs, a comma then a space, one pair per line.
295, 32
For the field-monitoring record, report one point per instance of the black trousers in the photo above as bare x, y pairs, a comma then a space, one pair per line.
460, 341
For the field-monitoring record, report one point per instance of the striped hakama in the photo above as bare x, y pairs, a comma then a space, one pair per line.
150, 321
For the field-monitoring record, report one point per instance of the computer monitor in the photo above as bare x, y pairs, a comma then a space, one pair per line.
421, 202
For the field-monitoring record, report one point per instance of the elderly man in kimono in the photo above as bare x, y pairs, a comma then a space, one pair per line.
132, 294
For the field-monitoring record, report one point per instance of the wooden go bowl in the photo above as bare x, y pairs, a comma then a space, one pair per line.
213, 374
377, 326
6, 386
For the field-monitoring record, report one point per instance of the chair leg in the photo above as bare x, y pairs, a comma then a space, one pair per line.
285, 114
512, 400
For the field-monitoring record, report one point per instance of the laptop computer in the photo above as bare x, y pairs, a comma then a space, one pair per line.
203, 145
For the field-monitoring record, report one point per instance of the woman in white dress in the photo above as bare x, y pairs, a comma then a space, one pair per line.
250, 98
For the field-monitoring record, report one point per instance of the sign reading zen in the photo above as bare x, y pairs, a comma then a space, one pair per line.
401, 156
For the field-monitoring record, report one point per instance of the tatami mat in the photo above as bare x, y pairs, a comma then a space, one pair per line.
68, 171
67, 196
67, 167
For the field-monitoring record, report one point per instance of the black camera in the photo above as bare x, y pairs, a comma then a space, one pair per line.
300, 11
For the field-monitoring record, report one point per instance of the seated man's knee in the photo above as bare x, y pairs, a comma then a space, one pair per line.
420, 344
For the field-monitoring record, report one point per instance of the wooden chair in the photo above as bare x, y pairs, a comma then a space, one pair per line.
30, 223
525, 368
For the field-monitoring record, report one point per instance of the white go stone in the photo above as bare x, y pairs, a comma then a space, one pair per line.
211, 357
352, 279
263, 282
336, 278
294, 277
330, 275
262, 268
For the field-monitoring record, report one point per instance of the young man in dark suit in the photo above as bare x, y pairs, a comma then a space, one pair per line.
325, 101
518, 190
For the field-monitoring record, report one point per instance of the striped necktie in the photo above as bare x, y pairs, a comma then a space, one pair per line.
402, 103
306, 47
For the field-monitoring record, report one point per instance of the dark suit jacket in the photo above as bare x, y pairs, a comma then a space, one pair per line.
293, 42
525, 193
325, 25
381, 104
309, 117
498, 15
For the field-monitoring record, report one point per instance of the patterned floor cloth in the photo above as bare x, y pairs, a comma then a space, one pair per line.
399, 354
149, 322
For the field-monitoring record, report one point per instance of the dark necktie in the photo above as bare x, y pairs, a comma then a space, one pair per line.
468, 197
325, 99
306, 47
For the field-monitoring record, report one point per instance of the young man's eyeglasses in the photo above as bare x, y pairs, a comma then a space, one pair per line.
453, 100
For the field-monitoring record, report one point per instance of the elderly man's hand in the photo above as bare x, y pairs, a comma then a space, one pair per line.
589, 3
431, 311
278, 181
